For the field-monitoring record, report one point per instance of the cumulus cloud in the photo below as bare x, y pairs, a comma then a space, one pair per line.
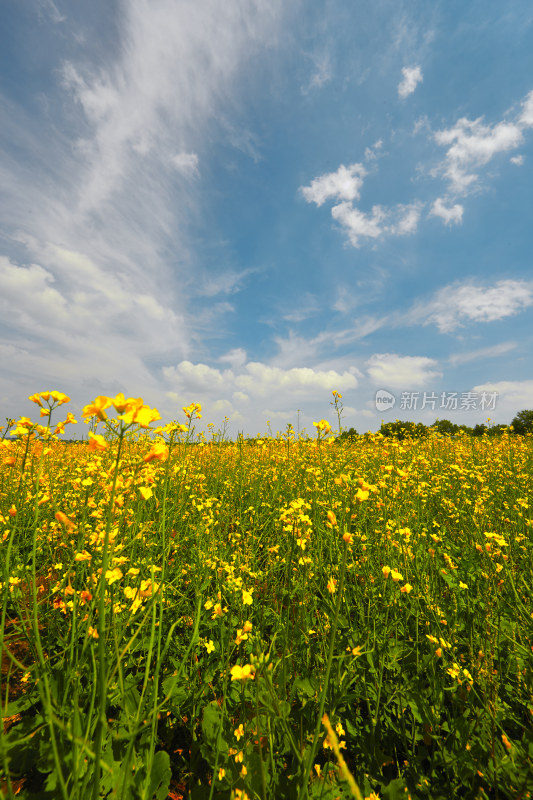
392, 370
254, 387
449, 214
412, 76
453, 306
472, 144
344, 184
357, 224
256, 379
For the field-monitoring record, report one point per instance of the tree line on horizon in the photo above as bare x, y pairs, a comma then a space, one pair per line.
521, 425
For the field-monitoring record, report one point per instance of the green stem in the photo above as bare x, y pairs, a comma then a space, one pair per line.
102, 661
308, 766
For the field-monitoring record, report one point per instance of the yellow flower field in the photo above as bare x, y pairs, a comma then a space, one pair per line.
190, 618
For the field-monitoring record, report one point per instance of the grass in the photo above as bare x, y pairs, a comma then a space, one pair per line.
265, 619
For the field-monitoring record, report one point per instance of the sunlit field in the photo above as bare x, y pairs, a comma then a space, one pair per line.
267, 618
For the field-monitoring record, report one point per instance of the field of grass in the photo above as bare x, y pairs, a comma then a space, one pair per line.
263, 619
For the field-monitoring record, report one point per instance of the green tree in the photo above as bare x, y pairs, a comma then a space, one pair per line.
445, 427
523, 422
348, 435
403, 430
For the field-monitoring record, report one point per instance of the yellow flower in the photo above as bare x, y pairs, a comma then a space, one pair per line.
92, 632
217, 611
396, 576
209, 646
386, 571
406, 589
239, 673
159, 452
247, 598
97, 442
146, 492
323, 426
113, 575
239, 732
332, 586
97, 408
61, 517
332, 518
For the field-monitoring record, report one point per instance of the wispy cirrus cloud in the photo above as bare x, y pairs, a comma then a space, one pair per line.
494, 351
453, 306
96, 198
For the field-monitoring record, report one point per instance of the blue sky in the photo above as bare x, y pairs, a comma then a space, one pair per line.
249, 205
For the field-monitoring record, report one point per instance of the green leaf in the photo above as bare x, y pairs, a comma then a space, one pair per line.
160, 775
211, 723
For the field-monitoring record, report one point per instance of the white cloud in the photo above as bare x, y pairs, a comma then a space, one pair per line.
374, 152
344, 184
261, 379
240, 397
92, 203
406, 372
186, 163
235, 358
225, 282
517, 160
322, 74
412, 76
513, 396
453, 306
256, 379
471, 144
306, 307
484, 352
198, 377
449, 214
526, 117
408, 217
357, 223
